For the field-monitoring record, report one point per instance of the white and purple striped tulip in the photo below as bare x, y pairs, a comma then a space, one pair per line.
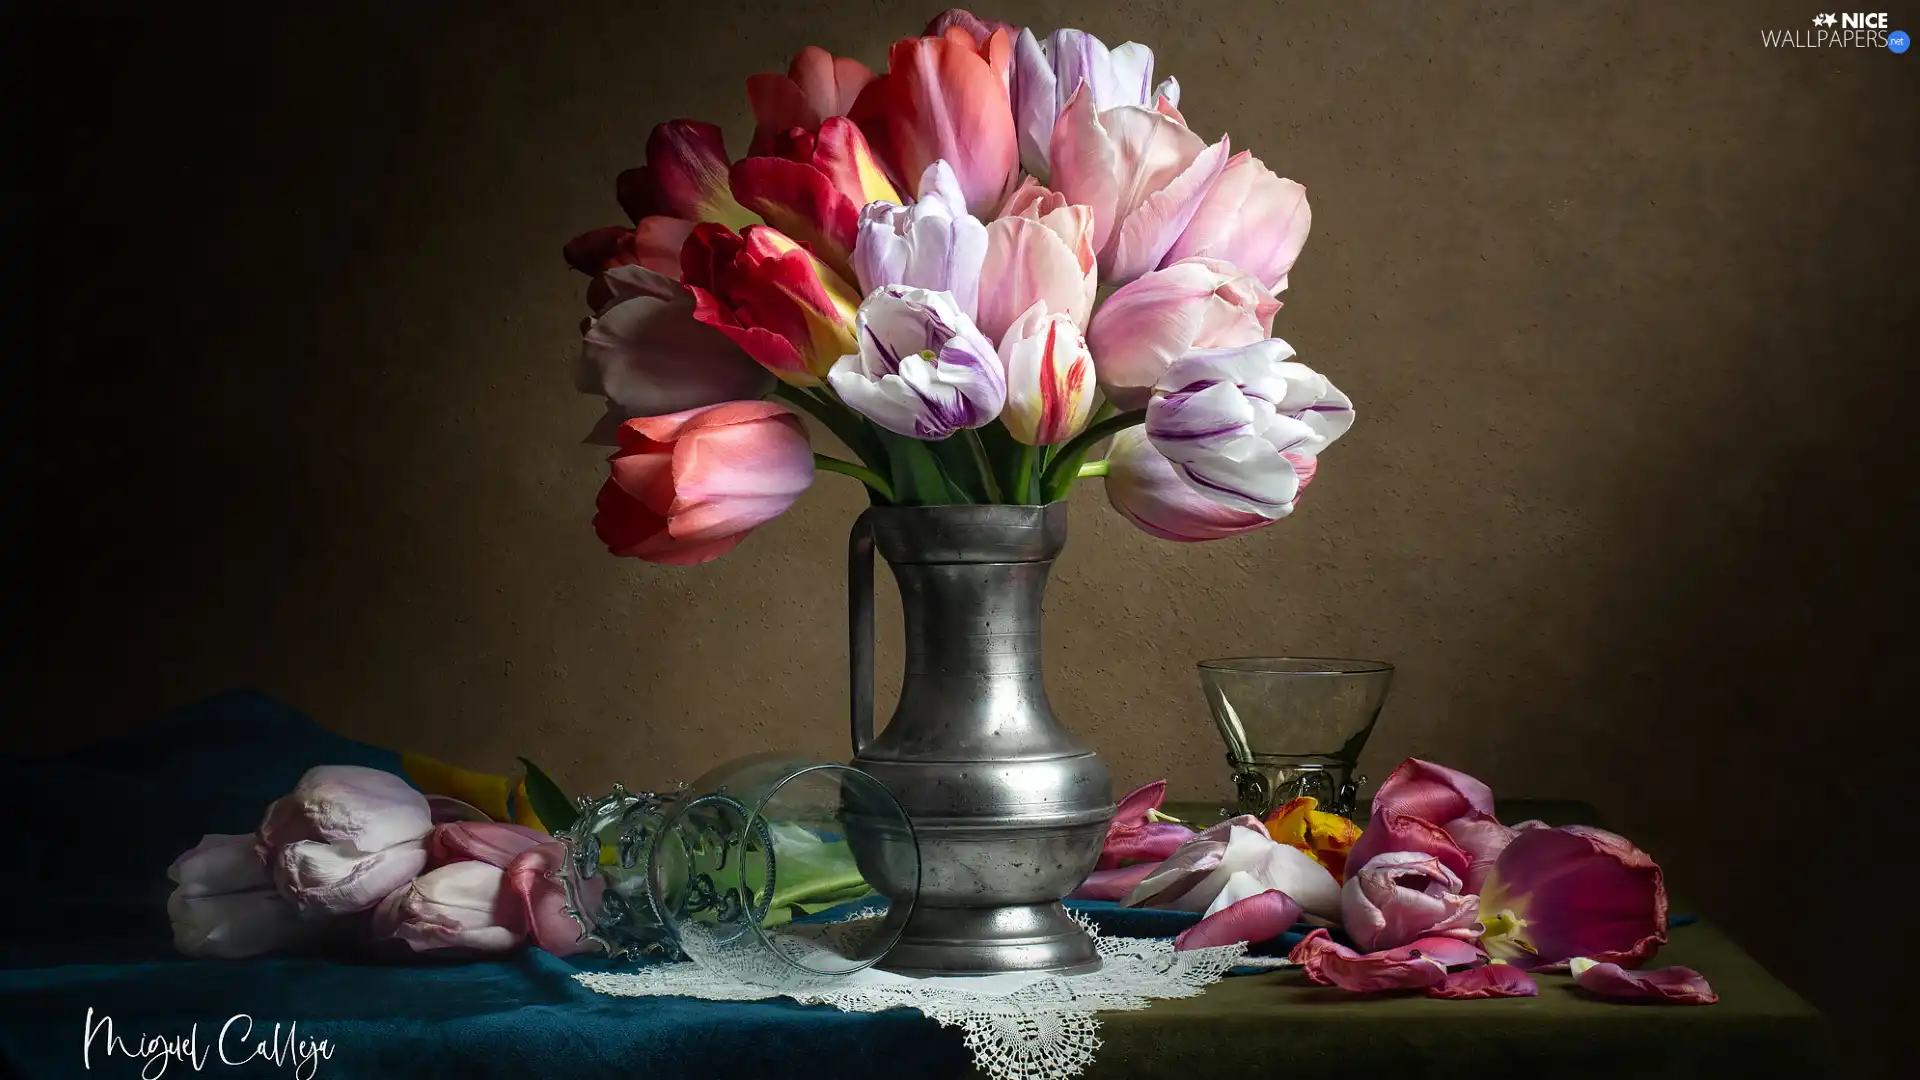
933, 244
923, 370
1237, 423
1046, 73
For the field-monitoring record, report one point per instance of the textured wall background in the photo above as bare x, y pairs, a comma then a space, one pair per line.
1623, 297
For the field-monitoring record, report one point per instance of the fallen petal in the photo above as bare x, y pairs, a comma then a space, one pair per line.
1113, 884
1486, 981
1329, 963
1449, 952
1678, 985
1261, 917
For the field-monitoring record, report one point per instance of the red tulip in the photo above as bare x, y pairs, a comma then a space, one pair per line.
815, 191
685, 177
688, 487
774, 298
946, 98
817, 87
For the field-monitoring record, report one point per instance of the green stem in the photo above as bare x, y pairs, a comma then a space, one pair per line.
1066, 463
841, 421
1092, 468
1024, 472
984, 467
859, 472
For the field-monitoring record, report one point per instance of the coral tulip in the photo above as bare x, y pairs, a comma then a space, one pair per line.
1400, 896
688, 487
945, 97
1047, 71
1144, 488
462, 905
1250, 218
1049, 377
933, 244
647, 354
1228, 419
345, 838
774, 298
922, 370
1040, 248
1555, 894
1143, 174
1162, 316
816, 192
817, 87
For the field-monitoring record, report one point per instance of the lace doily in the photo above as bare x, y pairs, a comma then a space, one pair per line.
1018, 1026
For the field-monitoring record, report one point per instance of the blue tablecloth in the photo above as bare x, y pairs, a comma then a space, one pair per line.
86, 936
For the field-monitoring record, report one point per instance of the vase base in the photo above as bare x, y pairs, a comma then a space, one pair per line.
992, 940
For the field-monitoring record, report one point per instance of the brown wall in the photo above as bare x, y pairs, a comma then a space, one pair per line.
1623, 297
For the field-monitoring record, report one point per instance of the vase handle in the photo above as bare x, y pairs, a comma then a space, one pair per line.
860, 630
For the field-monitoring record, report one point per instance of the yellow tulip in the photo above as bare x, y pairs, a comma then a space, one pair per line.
1327, 838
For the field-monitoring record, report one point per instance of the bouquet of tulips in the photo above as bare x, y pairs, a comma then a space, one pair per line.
971, 270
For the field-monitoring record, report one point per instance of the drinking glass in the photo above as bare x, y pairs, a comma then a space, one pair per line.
1295, 726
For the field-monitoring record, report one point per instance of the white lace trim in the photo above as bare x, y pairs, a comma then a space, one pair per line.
1018, 1027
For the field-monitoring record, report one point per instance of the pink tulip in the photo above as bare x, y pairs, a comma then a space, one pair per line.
490, 842
1144, 489
1046, 72
543, 899
1193, 877
446, 809
463, 905
1486, 981
1164, 315
1401, 896
817, 87
1114, 885
1329, 963
1143, 174
647, 355
1434, 792
224, 904
975, 27
1441, 811
945, 97
1049, 377
345, 838
814, 190
688, 487
1039, 249
1262, 915
1132, 837
1677, 985
1250, 218
1555, 894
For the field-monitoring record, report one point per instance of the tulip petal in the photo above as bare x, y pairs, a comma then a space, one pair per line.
461, 905
337, 880
493, 843
543, 899
1113, 884
687, 166
1390, 830
363, 809
1177, 874
1328, 963
1262, 916
1150, 230
219, 863
1446, 951
447, 810
1486, 981
1423, 789
1151, 153
1132, 809
1084, 164
1481, 836
1573, 891
1674, 985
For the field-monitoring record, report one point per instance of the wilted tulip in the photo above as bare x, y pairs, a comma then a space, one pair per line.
1555, 894
345, 838
1046, 72
1143, 174
1228, 419
647, 354
774, 298
1250, 218
1040, 248
1417, 966
946, 97
933, 244
1193, 877
1162, 316
224, 903
1049, 377
922, 369
463, 905
1401, 896
817, 87
1441, 811
1491, 980
1327, 838
814, 191
688, 487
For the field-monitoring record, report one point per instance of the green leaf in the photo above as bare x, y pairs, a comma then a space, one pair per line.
917, 479
555, 810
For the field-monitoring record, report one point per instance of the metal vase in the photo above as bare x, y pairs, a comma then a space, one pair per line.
1009, 807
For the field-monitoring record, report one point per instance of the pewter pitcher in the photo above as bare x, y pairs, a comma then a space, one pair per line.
1009, 807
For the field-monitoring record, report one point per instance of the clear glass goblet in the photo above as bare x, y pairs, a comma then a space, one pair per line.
1295, 726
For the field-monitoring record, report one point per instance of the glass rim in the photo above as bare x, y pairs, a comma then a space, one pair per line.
1295, 665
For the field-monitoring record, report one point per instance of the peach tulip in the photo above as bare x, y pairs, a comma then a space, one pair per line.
817, 87
1250, 218
1040, 248
946, 97
688, 487
1163, 315
1143, 174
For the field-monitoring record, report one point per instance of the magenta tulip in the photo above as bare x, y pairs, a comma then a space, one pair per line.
1142, 173
345, 838
1250, 218
1164, 315
945, 97
1401, 896
817, 87
462, 905
1555, 894
1132, 835
532, 878
1675, 985
688, 487
1329, 963
1260, 915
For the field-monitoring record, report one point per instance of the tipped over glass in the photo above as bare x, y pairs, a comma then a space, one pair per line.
1295, 726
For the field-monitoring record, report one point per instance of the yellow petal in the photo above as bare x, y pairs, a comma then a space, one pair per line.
1288, 823
484, 791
